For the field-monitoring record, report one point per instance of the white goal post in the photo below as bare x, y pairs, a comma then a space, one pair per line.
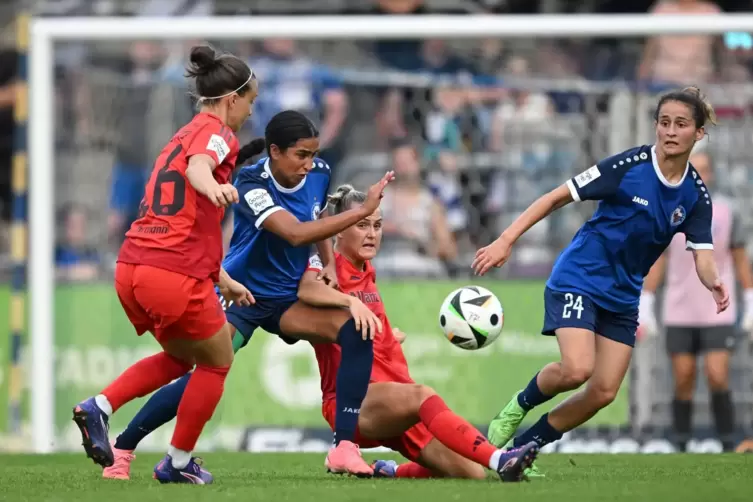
45, 32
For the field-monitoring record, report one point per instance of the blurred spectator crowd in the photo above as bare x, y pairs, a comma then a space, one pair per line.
476, 129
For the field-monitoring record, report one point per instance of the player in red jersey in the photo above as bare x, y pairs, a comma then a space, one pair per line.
397, 413
169, 264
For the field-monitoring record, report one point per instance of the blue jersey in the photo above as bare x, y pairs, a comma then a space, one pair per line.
265, 263
638, 214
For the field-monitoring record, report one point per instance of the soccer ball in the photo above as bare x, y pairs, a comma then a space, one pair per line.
471, 317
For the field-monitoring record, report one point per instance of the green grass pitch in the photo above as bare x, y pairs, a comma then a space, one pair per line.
292, 477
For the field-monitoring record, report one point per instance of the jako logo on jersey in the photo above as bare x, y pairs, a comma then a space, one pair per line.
638, 200
678, 216
352, 410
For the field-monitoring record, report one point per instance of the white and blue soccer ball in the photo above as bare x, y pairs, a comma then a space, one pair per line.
471, 317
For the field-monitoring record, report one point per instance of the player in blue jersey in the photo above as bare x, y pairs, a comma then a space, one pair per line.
647, 195
275, 224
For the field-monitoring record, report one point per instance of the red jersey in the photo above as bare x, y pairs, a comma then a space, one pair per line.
389, 361
179, 229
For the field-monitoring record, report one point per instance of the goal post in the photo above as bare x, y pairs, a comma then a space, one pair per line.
45, 32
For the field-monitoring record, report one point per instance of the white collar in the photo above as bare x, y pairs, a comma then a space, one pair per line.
659, 174
280, 187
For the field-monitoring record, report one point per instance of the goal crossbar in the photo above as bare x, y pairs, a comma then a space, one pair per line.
46, 31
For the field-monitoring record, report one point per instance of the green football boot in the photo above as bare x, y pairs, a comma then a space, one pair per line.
503, 427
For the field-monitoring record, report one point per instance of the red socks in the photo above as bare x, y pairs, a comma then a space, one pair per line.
144, 377
413, 470
202, 394
455, 432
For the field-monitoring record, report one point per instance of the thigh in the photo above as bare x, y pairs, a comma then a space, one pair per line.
717, 339
577, 347
390, 408
446, 463
617, 326
681, 340
216, 350
566, 309
312, 324
683, 367
611, 365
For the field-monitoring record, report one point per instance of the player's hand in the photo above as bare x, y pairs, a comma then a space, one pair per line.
721, 296
235, 292
223, 195
399, 335
493, 255
366, 321
376, 192
329, 275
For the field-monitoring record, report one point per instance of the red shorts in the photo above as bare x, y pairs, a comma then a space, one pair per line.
168, 304
409, 445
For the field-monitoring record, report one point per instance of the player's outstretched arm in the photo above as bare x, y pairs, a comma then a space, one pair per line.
540, 209
298, 233
497, 253
705, 267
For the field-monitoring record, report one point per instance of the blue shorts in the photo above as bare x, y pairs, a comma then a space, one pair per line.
564, 309
127, 189
264, 314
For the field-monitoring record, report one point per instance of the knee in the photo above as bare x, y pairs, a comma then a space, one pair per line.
421, 393
718, 378
684, 386
601, 395
337, 321
576, 374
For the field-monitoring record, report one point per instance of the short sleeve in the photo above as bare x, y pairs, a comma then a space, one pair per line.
257, 203
697, 227
315, 263
215, 140
598, 182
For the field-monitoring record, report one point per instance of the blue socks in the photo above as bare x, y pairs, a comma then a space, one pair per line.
532, 396
352, 379
541, 432
158, 410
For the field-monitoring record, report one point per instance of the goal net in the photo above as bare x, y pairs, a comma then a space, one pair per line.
487, 113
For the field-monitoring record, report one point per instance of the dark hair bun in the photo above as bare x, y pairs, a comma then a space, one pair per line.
250, 150
203, 60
